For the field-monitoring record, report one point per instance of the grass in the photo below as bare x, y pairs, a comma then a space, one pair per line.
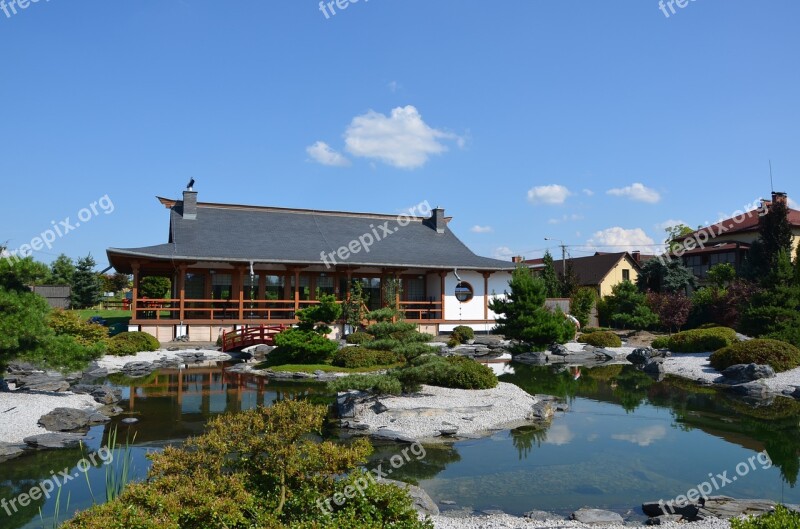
311, 368
105, 314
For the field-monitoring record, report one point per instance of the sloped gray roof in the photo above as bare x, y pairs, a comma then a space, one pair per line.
293, 236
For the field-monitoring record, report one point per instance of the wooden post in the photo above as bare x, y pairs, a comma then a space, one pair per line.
296, 291
241, 293
486, 295
135, 290
442, 275
182, 292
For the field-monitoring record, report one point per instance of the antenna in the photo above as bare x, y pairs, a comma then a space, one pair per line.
771, 184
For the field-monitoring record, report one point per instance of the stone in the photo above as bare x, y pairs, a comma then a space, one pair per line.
596, 517
602, 354
106, 395
10, 451
535, 358
665, 519
641, 356
796, 393
173, 348
654, 367
42, 382
725, 507
422, 501
449, 431
137, 369
447, 502
53, 440
129, 420
741, 373
346, 403
752, 390
558, 350
541, 516
542, 410
66, 419
393, 435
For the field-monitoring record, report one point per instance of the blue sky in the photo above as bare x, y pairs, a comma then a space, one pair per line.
590, 122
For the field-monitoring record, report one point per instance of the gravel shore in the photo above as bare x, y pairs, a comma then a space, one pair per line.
505, 521
20, 411
695, 367
116, 363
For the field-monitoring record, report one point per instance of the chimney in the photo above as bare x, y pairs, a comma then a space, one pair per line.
517, 259
189, 205
778, 197
637, 256
437, 220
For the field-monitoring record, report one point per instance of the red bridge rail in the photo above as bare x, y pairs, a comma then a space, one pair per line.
261, 335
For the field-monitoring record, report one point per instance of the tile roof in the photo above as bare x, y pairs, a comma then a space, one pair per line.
590, 270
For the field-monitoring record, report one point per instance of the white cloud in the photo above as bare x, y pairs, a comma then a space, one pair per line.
401, 139
503, 252
618, 239
668, 224
793, 204
559, 434
638, 192
393, 86
566, 218
552, 194
588, 192
481, 229
322, 153
643, 437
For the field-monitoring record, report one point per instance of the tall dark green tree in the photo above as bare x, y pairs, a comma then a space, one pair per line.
627, 308
62, 270
550, 276
568, 281
154, 287
775, 311
665, 275
86, 284
775, 232
523, 316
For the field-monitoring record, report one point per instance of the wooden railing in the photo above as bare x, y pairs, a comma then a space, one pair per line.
421, 310
255, 335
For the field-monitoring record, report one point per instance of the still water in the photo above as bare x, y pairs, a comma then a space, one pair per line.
625, 439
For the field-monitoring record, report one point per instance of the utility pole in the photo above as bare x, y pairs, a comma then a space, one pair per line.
563, 255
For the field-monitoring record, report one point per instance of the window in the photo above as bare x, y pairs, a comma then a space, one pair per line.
414, 289
221, 286
274, 288
325, 285
464, 292
626, 275
195, 286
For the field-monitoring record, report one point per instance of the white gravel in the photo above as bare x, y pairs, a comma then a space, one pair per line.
20, 411
505, 521
696, 367
422, 415
116, 363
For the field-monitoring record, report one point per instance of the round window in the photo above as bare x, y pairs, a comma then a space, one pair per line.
464, 292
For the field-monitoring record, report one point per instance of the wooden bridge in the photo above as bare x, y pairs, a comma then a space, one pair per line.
261, 335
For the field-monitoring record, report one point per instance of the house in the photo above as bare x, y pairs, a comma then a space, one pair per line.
233, 266
729, 240
601, 271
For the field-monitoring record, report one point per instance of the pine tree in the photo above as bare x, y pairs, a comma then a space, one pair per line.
62, 270
550, 276
86, 284
775, 232
523, 316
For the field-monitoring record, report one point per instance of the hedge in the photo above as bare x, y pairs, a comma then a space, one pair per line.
355, 357
600, 339
780, 355
702, 340
130, 343
457, 372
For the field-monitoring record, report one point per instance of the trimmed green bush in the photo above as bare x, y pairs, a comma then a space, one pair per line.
590, 330
462, 334
358, 338
600, 339
662, 342
355, 357
780, 355
386, 314
702, 340
385, 344
378, 384
130, 343
304, 347
781, 518
451, 372
383, 330
414, 349
411, 337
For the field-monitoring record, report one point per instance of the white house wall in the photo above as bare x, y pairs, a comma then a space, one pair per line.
456, 311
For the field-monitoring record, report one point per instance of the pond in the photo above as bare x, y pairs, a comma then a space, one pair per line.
625, 439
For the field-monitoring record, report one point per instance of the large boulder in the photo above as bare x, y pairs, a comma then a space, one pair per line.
642, 355
742, 373
596, 517
137, 369
67, 419
102, 394
45, 382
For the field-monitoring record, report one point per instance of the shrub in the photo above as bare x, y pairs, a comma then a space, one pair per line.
452, 342
386, 314
590, 330
702, 340
601, 339
64, 353
385, 344
383, 330
304, 347
318, 317
662, 342
358, 338
463, 334
452, 372
378, 384
780, 355
781, 518
411, 337
70, 324
413, 350
130, 343
582, 303
356, 357
627, 308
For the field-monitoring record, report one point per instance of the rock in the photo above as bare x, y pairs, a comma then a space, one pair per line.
129, 420
655, 509
102, 394
726, 508
42, 382
796, 393
752, 390
53, 440
542, 410
422, 501
488, 340
346, 403
535, 358
447, 502
3, 385
558, 350
393, 435
654, 367
10, 451
493, 512
173, 348
379, 407
137, 369
449, 431
664, 519
596, 517
740, 373
541, 516
602, 354
94, 374
641, 356
66, 419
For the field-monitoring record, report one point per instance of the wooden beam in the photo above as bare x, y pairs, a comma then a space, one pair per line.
486, 295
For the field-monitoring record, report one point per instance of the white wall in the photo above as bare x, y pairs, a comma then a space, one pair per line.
473, 309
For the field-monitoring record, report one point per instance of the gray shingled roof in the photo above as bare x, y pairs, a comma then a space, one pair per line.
291, 236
